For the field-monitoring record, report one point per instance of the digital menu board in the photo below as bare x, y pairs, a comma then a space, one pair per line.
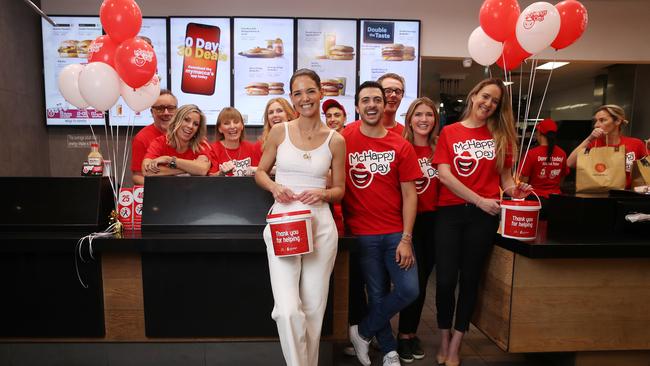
391, 46
263, 64
153, 30
64, 44
200, 63
329, 47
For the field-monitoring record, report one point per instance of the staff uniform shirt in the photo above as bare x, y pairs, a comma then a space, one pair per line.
375, 167
545, 176
159, 147
471, 155
244, 157
140, 144
427, 185
634, 150
398, 129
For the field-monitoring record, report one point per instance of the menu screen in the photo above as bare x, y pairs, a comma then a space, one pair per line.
329, 47
153, 30
263, 64
200, 63
391, 46
64, 44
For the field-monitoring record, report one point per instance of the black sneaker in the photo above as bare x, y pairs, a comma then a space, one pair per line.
416, 349
404, 350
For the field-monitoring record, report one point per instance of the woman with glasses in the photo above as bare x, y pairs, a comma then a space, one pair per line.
162, 111
183, 150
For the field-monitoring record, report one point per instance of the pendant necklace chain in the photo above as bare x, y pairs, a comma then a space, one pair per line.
306, 155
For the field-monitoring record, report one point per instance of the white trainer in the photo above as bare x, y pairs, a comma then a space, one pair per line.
360, 346
391, 359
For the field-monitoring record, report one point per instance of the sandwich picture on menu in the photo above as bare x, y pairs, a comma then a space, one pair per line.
257, 88
393, 52
276, 88
332, 87
82, 47
341, 52
68, 48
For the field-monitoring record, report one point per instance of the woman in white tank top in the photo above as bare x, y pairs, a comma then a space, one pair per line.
304, 151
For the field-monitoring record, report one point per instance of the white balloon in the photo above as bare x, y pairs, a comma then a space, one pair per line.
483, 49
69, 85
143, 97
537, 26
99, 85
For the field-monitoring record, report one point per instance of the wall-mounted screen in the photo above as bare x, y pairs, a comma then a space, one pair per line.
64, 44
329, 47
200, 63
263, 64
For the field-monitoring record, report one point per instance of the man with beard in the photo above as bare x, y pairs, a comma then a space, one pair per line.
162, 111
393, 85
379, 209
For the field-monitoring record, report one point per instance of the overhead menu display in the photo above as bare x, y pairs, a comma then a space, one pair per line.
64, 44
154, 31
391, 46
328, 47
200, 63
263, 64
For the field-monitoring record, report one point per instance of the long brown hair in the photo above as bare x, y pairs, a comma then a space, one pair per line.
501, 123
229, 113
288, 109
176, 123
408, 130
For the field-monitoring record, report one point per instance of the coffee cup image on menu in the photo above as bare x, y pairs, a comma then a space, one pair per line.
68, 48
261, 88
398, 52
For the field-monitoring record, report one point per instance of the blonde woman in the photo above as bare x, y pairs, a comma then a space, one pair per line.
277, 110
474, 159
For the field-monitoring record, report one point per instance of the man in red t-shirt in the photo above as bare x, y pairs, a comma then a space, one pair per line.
379, 208
162, 111
393, 85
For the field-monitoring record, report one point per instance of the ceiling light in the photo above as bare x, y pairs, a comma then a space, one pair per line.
506, 83
459, 100
551, 65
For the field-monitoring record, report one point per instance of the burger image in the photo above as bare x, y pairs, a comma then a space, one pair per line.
82, 47
276, 88
409, 53
341, 52
393, 52
68, 49
257, 89
331, 87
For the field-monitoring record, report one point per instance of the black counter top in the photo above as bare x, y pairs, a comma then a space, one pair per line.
576, 249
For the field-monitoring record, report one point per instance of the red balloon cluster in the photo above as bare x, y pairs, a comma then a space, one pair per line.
526, 32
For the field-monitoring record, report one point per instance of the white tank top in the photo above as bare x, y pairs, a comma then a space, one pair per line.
299, 169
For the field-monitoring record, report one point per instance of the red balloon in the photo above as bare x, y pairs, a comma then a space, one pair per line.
102, 49
135, 62
513, 54
498, 18
121, 19
573, 22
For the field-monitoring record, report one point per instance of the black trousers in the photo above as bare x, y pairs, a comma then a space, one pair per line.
425, 255
357, 300
464, 235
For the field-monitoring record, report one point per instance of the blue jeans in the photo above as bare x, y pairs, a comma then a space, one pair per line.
379, 269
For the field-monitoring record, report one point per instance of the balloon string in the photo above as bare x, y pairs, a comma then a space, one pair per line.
521, 72
109, 173
531, 84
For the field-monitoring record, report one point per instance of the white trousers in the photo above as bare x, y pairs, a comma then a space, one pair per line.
300, 286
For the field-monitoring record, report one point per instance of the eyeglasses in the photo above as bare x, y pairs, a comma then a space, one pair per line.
398, 92
161, 108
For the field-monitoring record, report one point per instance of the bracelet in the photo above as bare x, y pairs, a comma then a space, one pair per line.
407, 236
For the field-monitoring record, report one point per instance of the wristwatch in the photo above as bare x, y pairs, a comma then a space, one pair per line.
172, 164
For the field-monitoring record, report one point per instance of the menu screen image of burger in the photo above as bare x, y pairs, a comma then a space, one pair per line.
64, 44
391, 47
200, 57
263, 64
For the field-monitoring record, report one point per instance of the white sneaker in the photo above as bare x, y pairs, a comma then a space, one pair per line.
391, 359
360, 346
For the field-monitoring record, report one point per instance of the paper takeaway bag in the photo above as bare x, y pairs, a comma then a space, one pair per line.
600, 169
641, 172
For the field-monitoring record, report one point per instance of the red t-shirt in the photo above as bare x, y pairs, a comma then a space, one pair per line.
244, 157
140, 144
545, 176
375, 167
634, 150
427, 185
471, 155
159, 147
398, 129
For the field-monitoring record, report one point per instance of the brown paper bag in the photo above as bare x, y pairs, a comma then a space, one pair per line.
641, 172
600, 169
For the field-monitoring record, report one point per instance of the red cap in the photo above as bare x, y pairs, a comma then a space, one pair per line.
332, 103
547, 125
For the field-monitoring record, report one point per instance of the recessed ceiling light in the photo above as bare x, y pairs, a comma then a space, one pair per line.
459, 100
551, 65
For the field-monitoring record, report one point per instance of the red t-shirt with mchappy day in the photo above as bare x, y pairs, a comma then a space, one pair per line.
545, 176
427, 185
471, 155
634, 150
140, 144
244, 157
375, 167
159, 147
